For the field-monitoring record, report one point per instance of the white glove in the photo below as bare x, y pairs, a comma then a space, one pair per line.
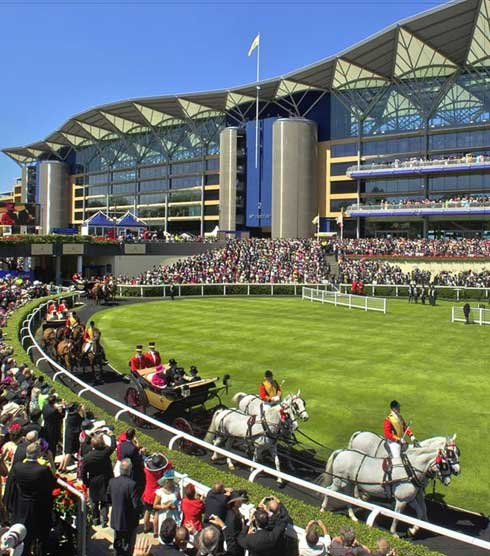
275, 399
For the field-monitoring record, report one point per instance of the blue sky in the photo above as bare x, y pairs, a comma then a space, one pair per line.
57, 61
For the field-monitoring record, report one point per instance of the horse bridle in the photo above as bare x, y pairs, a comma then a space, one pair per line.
296, 411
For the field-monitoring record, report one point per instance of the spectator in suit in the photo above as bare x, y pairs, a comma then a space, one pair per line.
234, 522
53, 413
215, 501
34, 502
96, 474
167, 545
122, 493
131, 449
258, 540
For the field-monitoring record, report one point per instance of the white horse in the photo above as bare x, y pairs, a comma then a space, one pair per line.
253, 405
261, 432
375, 446
356, 474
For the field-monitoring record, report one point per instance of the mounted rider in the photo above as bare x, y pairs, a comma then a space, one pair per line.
152, 356
61, 309
138, 361
71, 322
88, 336
52, 311
269, 390
395, 430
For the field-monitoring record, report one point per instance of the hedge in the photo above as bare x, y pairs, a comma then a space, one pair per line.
205, 473
55, 238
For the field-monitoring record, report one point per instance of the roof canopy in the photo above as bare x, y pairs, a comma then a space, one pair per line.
101, 220
129, 220
437, 43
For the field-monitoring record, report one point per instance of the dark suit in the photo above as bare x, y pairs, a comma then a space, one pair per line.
123, 495
263, 542
215, 504
34, 502
96, 474
130, 451
234, 524
53, 422
165, 550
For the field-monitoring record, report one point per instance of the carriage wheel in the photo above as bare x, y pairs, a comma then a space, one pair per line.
134, 400
183, 425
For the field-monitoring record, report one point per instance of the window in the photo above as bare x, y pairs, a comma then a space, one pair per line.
212, 179
393, 146
99, 190
156, 198
124, 175
465, 140
100, 202
97, 179
340, 168
78, 215
343, 187
462, 183
185, 182
185, 196
338, 205
187, 168
400, 185
211, 195
153, 172
347, 149
123, 188
78, 204
154, 185
79, 192
211, 210
151, 212
185, 211
212, 164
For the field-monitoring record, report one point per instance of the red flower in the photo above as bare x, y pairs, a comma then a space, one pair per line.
56, 492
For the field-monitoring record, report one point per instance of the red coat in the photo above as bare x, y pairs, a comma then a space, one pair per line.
192, 510
152, 359
390, 433
137, 363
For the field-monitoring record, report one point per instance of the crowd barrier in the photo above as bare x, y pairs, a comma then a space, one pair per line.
202, 290
27, 334
352, 301
482, 315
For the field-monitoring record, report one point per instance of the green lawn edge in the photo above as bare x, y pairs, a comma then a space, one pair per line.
202, 472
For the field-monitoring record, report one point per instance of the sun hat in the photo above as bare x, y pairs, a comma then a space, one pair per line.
237, 495
156, 462
167, 476
159, 368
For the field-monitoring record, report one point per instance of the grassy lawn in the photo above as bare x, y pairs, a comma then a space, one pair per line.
349, 365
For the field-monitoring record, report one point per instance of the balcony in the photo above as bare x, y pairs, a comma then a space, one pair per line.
417, 166
449, 207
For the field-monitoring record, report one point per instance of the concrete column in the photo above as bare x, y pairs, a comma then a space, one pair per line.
79, 264
294, 188
358, 227
54, 195
228, 178
425, 227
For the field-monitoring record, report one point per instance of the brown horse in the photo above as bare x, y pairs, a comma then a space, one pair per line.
49, 340
92, 355
66, 355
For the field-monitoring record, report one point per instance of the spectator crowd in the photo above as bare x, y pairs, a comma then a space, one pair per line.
260, 261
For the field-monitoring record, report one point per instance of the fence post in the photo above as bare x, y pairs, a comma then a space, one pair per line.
350, 301
180, 290
323, 297
224, 289
457, 295
396, 291
164, 291
272, 289
248, 289
452, 314
141, 291
295, 290
336, 299
481, 317
202, 290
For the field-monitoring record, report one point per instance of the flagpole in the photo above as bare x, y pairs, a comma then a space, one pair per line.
257, 108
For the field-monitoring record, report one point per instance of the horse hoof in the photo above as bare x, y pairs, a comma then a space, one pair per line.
231, 467
413, 531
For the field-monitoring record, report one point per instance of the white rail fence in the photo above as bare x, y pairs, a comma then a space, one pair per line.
352, 301
202, 290
27, 334
478, 315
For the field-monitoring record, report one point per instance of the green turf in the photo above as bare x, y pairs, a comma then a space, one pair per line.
349, 365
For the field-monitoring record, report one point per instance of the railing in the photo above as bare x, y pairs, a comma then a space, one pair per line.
398, 288
27, 333
163, 290
420, 205
483, 315
346, 299
420, 163
81, 516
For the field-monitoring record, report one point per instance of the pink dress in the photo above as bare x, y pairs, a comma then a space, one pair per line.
159, 379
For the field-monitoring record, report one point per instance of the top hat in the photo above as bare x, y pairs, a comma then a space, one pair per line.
139, 347
151, 344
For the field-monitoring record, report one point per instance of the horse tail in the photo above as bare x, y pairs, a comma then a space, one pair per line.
327, 477
238, 397
352, 438
211, 434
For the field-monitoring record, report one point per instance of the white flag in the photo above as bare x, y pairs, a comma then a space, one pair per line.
254, 45
316, 219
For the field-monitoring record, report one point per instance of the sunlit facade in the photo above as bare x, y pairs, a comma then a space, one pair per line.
417, 91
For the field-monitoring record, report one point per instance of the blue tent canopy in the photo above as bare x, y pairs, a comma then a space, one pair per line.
129, 220
100, 219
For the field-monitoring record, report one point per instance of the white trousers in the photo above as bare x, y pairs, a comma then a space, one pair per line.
395, 449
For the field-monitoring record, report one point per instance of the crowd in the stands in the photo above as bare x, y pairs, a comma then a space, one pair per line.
459, 201
259, 261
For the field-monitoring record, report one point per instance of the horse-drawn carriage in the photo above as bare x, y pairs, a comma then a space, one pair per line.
188, 407
54, 323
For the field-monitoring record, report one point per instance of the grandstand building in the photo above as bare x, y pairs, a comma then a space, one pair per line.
391, 136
